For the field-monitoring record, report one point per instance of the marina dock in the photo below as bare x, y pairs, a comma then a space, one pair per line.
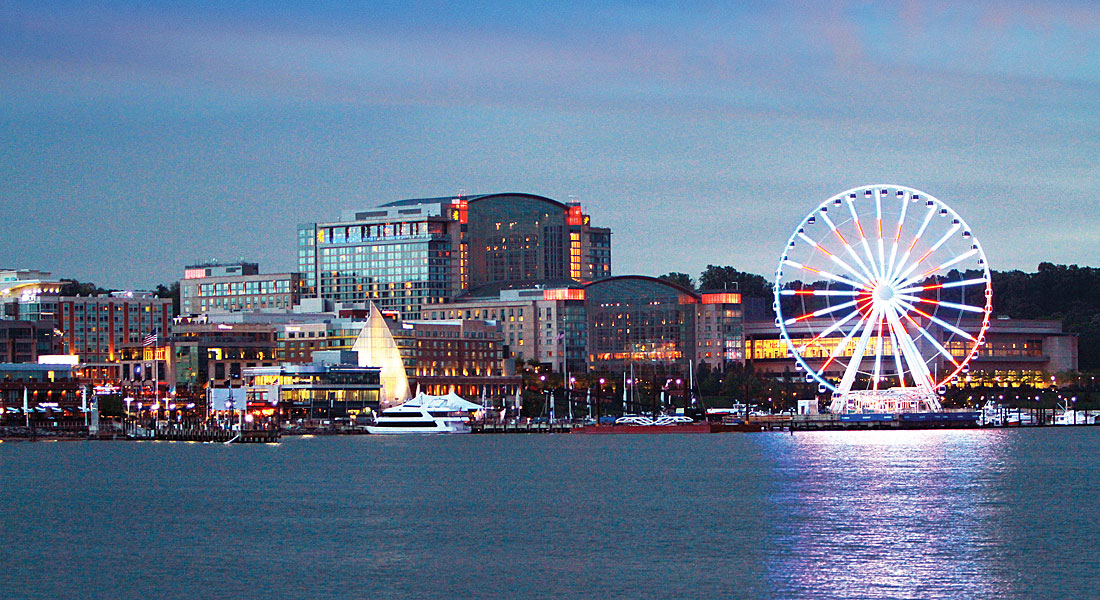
204, 434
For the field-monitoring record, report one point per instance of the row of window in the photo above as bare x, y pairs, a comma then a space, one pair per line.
276, 286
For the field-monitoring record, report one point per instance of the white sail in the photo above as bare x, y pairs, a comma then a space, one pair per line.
377, 348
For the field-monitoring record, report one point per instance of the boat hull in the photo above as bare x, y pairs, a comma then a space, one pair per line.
438, 430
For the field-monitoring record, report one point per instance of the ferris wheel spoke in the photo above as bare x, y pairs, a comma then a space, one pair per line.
938, 286
954, 261
820, 292
836, 259
857, 355
837, 349
869, 274
916, 238
965, 307
878, 354
897, 236
931, 339
828, 330
863, 242
936, 320
825, 274
878, 232
912, 267
922, 377
897, 355
821, 312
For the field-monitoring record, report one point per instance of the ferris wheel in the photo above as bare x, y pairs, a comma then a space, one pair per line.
882, 296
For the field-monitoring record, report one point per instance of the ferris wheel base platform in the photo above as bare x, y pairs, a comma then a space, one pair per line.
873, 421
889, 401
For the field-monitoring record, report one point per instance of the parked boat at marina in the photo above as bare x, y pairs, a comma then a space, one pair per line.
427, 414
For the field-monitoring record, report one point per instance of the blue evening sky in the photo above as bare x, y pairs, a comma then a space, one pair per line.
136, 137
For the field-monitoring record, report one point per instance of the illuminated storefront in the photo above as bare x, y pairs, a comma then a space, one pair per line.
313, 391
1016, 352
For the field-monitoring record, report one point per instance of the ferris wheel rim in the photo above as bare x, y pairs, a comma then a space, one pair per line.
867, 276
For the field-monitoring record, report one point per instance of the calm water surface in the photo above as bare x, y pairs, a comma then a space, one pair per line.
925, 514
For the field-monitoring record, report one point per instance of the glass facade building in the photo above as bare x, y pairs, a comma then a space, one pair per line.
399, 257
638, 320
409, 255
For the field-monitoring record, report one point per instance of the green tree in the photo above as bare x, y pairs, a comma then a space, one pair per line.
728, 278
681, 279
172, 291
72, 287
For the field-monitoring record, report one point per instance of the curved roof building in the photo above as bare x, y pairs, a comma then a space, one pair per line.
639, 319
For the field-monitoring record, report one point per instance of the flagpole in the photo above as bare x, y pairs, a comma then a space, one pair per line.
156, 383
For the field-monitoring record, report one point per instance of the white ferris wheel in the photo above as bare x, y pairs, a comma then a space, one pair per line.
883, 296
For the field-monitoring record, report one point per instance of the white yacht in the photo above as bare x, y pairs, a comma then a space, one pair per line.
426, 414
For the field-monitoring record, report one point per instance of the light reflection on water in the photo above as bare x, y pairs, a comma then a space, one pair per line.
925, 514
897, 514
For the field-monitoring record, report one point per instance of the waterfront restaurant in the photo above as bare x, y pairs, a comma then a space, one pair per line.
313, 391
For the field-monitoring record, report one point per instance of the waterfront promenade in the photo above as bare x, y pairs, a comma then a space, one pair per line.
214, 432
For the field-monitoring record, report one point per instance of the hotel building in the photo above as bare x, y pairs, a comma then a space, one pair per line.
412, 254
643, 320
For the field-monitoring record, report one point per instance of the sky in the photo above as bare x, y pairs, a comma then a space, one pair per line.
138, 137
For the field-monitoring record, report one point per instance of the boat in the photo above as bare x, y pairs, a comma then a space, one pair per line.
426, 414
1070, 416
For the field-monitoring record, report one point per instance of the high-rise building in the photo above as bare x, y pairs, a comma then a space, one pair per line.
411, 254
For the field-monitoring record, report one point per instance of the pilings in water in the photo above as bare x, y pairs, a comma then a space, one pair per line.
205, 434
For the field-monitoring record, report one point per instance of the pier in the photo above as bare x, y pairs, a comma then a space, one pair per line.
201, 433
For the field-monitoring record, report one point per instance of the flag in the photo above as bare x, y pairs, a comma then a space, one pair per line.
150, 339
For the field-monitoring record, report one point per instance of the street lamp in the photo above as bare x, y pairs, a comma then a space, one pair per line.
599, 397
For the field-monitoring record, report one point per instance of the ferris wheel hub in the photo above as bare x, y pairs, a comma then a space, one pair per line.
884, 292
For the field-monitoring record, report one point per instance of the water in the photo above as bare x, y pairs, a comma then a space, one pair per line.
922, 514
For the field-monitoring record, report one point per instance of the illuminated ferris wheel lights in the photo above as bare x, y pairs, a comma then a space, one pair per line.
877, 288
